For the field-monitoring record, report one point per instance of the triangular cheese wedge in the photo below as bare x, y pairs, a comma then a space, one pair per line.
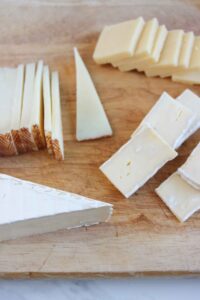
57, 133
47, 109
91, 120
38, 209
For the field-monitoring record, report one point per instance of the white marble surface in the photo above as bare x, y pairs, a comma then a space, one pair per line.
124, 289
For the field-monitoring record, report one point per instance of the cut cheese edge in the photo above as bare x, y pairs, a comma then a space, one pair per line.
91, 119
57, 132
180, 197
39, 209
137, 161
188, 77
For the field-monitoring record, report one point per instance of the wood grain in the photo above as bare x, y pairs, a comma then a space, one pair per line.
143, 237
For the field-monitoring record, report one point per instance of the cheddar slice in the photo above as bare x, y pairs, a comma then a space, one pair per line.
118, 41
28, 208
137, 161
57, 133
190, 170
47, 109
180, 197
91, 119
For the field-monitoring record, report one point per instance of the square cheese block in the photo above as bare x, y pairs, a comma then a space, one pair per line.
169, 57
118, 41
180, 197
170, 119
27, 208
144, 47
190, 170
137, 161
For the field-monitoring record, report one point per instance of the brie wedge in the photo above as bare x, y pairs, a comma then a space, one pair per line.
28, 208
91, 119
137, 161
181, 198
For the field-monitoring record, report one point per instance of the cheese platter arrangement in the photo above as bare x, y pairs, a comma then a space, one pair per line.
99, 143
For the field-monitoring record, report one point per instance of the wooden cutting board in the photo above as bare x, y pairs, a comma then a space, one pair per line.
143, 237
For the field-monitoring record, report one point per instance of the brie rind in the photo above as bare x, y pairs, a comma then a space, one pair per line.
28, 208
180, 197
137, 161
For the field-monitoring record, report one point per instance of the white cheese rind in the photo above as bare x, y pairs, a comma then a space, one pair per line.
180, 197
27, 208
137, 161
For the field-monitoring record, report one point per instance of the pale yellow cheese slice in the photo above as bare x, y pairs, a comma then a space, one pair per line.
188, 77
118, 41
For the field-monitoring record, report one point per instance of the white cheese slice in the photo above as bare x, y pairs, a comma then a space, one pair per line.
195, 57
170, 119
91, 119
190, 170
28, 208
118, 41
180, 197
7, 89
47, 109
186, 50
57, 132
137, 161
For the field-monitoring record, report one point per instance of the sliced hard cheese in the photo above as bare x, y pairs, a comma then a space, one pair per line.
28, 208
195, 57
170, 119
190, 170
186, 50
137, 161
47, 109
188, 77
118, 41
181, 198
91, 120
57, 133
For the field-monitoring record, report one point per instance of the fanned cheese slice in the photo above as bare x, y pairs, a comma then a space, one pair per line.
47, 109
137, 161
28, 208
190, 170
181, 198
7, 88
57, 133
91, 119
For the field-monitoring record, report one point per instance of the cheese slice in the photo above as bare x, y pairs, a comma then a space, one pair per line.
137, 161
169, 57
170, 119
188, 77
91, 119
7, 88
144, 47
186, 50
57, 132
118, 41
195, 57
180, 197
47, 109
190, 170
28, 208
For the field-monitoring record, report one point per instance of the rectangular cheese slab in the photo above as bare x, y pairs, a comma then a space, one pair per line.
186, 51
180, 197
170, 119
137, 161
118, 41
27, 208
187, 76
190, 170
195, 57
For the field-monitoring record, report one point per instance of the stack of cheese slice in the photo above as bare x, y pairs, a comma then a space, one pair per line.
181, 191
150, 47
39, 209
31, 114
168, 124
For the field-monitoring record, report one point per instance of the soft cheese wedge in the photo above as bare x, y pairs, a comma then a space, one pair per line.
57, 132
47, 109
180, 197
137, 161
190, 170
91, 119
118, 41
7, 87
28, 208
170, 119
